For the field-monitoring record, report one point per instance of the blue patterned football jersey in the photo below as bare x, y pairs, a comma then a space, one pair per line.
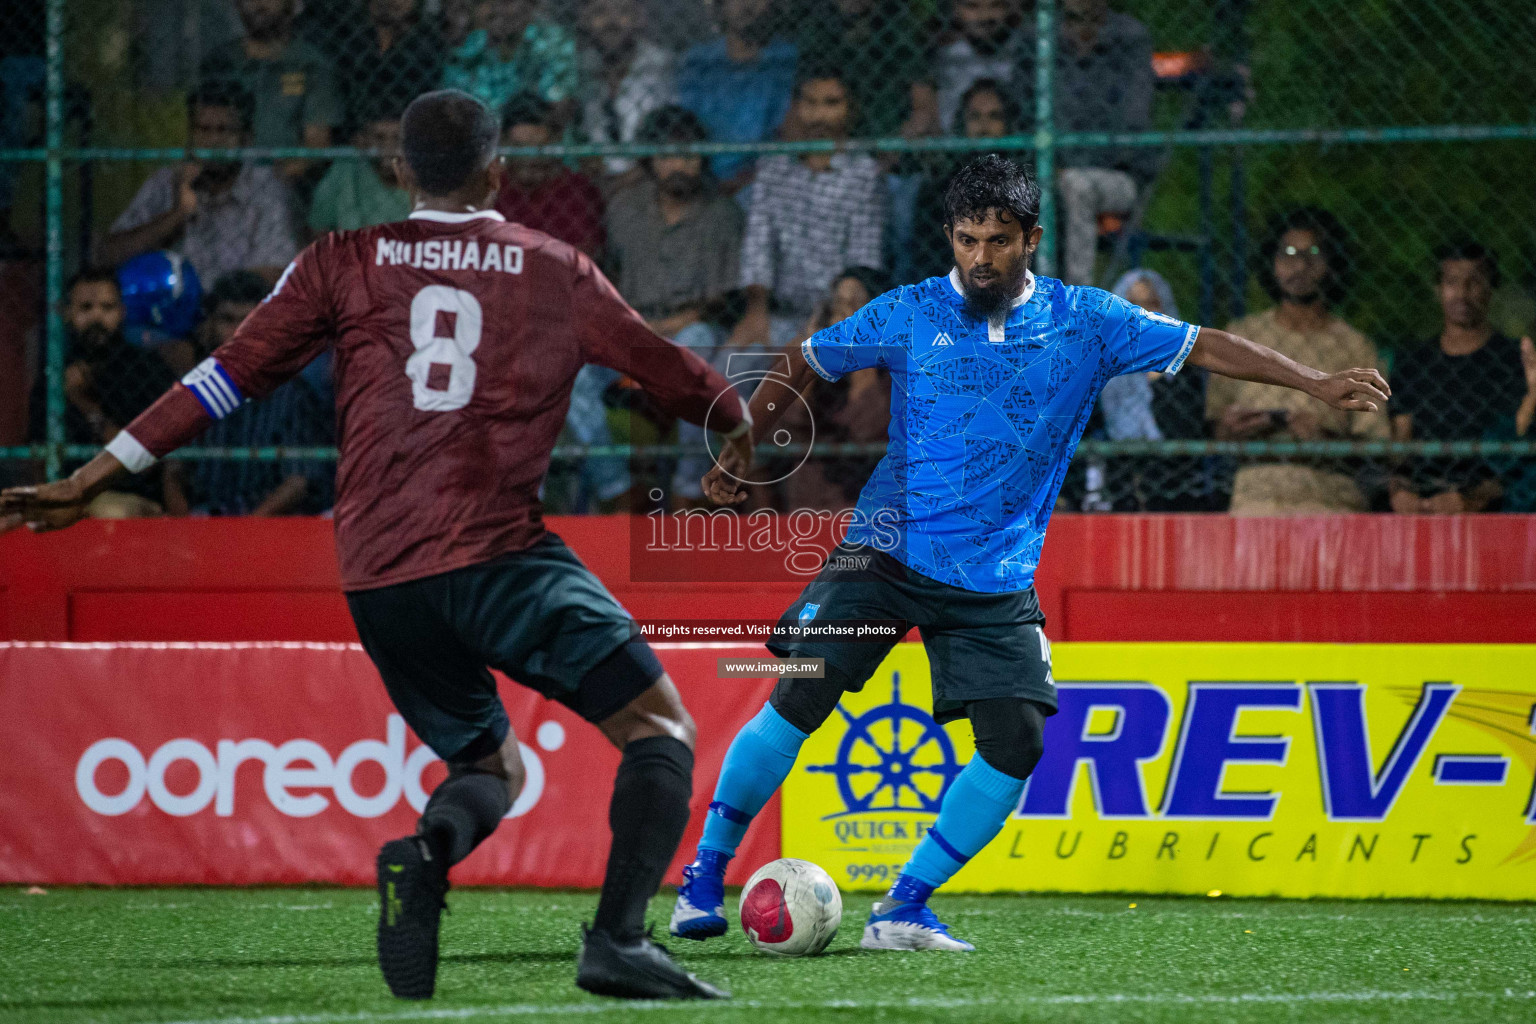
985, 416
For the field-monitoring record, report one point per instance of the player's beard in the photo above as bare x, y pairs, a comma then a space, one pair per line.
990, 301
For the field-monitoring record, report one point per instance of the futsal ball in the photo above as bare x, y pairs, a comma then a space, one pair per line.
791, 908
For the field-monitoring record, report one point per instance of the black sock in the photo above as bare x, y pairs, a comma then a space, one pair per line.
648, 814
463, 811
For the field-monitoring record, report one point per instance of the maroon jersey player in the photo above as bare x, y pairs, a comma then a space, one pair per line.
457, 337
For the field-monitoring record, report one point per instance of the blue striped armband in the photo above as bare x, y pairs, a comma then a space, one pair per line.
213, 388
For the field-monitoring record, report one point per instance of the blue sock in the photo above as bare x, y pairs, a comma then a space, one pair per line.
759, 760
979, 801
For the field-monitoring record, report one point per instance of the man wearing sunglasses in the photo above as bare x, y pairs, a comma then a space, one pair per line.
1307, 272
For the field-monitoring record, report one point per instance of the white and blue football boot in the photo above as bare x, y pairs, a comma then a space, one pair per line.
909, 926
700, 909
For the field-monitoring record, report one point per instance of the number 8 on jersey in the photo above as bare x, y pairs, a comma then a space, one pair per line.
445, 331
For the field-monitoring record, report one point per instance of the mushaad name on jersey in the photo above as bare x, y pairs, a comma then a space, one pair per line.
450, 254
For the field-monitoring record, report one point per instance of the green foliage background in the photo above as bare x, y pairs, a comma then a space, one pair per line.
1355, 63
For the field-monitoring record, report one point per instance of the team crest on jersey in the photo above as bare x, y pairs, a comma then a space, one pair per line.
808, 613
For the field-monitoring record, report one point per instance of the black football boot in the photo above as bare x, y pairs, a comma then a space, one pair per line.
636, 969
412, 887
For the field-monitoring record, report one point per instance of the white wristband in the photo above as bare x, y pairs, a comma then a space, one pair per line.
127, 450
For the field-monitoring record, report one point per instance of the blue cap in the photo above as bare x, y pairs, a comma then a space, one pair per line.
161, 291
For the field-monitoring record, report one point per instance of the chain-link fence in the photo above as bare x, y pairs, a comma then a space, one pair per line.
1349, 181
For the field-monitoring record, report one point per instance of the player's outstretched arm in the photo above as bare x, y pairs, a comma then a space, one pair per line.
53, 506
773, 397
1356, 390
681, 384
281, 335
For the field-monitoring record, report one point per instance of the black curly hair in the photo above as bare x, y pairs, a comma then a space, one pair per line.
988, 183
1331, 238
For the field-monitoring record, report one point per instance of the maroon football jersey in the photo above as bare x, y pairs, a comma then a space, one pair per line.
457, 338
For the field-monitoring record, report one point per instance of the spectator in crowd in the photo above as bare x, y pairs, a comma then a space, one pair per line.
399, 57
986, 43
292, 416
811, 215
740, 83
624, 76
541, 192
1149, 407
987, 111
1457, 387
884, 46
856, 409
1308, 272
1104, 83
1518, 475
887, 49
108, 382
673, 241
297, 101
1126, 401
221, 215
513, 51
361, 193
674, 245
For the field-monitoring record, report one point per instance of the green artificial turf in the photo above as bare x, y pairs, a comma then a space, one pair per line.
305, 956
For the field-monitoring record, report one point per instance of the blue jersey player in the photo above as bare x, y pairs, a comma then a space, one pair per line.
994, 373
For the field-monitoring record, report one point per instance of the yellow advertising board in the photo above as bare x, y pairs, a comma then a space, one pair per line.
1253, 769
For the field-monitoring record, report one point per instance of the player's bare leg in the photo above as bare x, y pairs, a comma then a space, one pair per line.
648, 813
413, 872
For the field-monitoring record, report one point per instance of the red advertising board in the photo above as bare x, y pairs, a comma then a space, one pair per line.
1336, 579
251, 763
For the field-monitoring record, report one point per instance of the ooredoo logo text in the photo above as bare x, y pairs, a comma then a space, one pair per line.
297, 765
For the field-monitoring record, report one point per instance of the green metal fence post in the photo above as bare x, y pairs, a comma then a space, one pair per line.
1045, 130
53, 215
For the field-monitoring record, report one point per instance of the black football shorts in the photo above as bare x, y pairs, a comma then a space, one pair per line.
979, 645
539, 615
